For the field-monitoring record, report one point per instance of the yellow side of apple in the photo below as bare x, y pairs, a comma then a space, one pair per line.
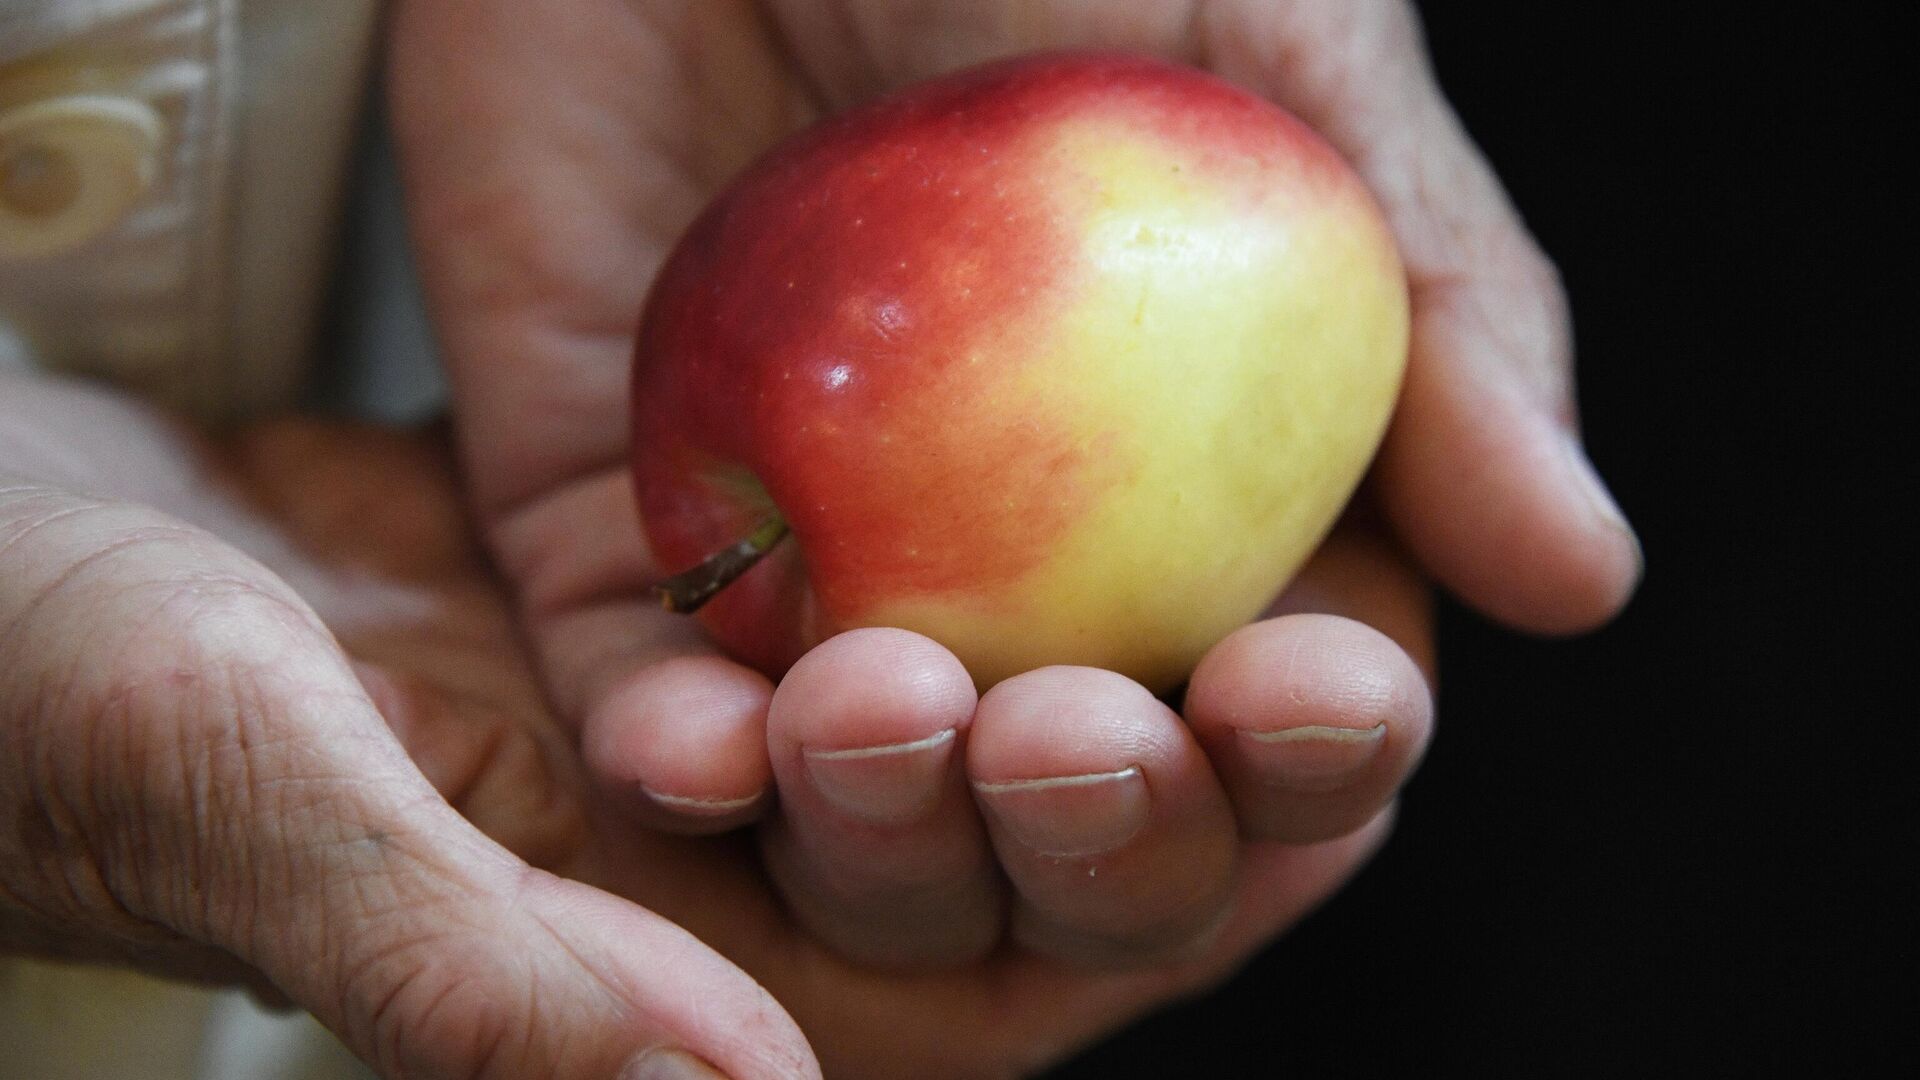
1229, 362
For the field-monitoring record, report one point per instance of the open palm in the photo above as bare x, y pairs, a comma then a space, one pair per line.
370, 530
553, 154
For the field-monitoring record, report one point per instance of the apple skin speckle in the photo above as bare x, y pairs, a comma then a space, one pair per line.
898, 276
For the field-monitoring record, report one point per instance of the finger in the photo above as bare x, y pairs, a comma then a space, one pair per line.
684, 744
1037, 1009
1105, 813
673, 731
1482, 470
1312, 722
877, 847
536, 238
583, 568
680, 743
200, 758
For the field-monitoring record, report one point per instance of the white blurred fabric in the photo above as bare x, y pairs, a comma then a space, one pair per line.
203, 295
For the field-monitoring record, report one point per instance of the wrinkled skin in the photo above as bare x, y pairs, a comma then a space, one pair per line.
295, 727
405, 930
540, 219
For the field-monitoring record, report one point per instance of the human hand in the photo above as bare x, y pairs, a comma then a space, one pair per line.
1006, 1014
211, 787
199, 780
553, 159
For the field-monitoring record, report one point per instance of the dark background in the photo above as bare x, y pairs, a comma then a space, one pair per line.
1685, 843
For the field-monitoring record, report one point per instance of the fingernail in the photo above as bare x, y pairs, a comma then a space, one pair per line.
1314, 758
693, 806
1070, 815
663, 1064
886, 785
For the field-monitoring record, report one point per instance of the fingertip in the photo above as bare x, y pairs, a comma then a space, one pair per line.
1066, 721
1332, 673
1502, 505
870, 687
615, 979
1312, 721
683, 743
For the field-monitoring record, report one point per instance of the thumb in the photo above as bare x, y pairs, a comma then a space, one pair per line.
203, 787
1482, 471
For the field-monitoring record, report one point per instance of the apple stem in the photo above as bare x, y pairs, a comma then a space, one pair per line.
685, 593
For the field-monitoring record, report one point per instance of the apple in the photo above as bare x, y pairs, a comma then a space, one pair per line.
1070, 359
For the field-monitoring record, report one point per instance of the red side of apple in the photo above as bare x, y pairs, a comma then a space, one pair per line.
808, 340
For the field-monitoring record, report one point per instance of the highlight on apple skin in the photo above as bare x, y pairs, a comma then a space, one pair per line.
1069, 359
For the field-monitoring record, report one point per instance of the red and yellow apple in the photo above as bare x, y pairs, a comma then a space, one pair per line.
1071, 359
